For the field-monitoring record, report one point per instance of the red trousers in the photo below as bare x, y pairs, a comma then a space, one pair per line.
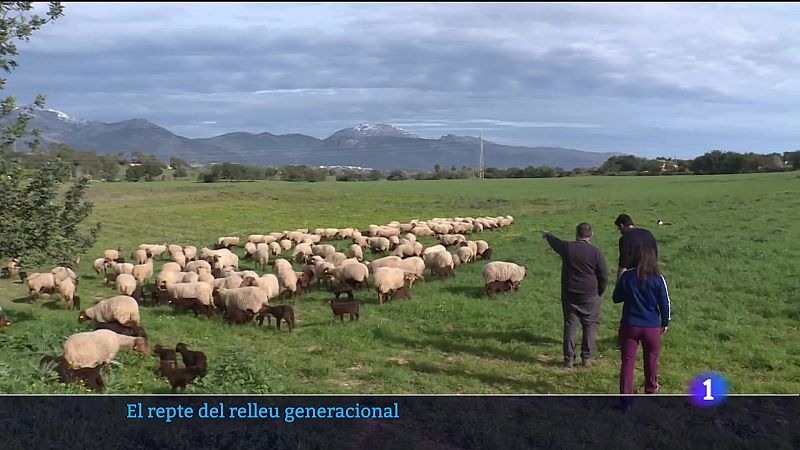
629, 338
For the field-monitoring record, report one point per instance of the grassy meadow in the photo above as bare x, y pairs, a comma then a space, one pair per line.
729, 258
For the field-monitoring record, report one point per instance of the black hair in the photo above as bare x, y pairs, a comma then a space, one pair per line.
583, 230
623, 220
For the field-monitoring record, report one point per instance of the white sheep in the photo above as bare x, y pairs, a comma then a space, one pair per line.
143, 272
379, 244
140, 256
228, 241
261, 256
504, 271
439, 260
353, 273
66, 288
324, 250
168, 276
267, 283
285, 244
229, 282
172, 267
480, 247
275, 249
93, 348
122, 309
190, 277
355, 251
99, 265
126, 284
194, 266
465, 254
202, 292
409, 249
191, 252
40, 282
244, 298
388, 279
302, 252
386, 261
286, 276
433, 249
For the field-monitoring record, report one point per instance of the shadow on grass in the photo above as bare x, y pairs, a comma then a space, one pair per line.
486, 378
23, 300
467, 291
19, 316
55, 304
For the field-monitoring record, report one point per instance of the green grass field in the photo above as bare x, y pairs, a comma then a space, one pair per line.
729, 257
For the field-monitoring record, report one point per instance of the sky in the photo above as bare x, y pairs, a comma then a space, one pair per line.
649, 79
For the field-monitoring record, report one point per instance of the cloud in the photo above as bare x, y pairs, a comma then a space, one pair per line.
647, 78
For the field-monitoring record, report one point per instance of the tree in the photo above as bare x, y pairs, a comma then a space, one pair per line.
437, 168
374, 175
38, 226
397, 175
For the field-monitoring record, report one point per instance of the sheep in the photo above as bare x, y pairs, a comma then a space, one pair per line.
403, 292
422, 231
342, 288
496, 287
60, 273
394, 241
190, 251
386, 261
120, 268
388, 279
285, 244
154, 250
238, 317
135, 331
202, 292
122, 308
190, 277
409, 249
444, 272
171, 267
336, 259
193, 359
244, 299
166, 277
89, 376
112, 255
255, 239
487, 254
439, 260
433, 249
379, 244
451, 239
66, 288
178, 378
222, 260
502, 271
339, 309
11, 267
456, 259
182, 304
195, 266
353, 274
140, 256
227, 242
99, 265
93, 348
361, 241
126, 284
280, 312
465, 254
355, 251
323, 271
480, 247
302, 252
206, 277
472, 246
40, 282
287, 279
179, 258
261, 256
345, 233
143, 272
229, 282
275, 249
249, 250
167, 355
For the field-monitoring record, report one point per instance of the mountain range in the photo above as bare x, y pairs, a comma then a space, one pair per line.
380, 146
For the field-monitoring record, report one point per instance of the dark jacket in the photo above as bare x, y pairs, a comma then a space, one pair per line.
629, 244
584, 273
643, 306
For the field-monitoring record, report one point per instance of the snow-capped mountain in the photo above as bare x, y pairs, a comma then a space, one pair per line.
381, 146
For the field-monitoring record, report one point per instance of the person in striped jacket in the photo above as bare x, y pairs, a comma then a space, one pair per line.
642, 290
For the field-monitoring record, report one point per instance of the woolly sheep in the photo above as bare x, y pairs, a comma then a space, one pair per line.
191, 252
179, 258
434, 249
67, 290
456, 261
120, 268
345, 233
267, 283
361, 241
287, 279
502, 271
228, 241
255, 239
229, 282
126, 284
143, 272
111, 255
171, 267
324, 250
60, 273
194, 266
379, 244
337, 258
285, 244
352, 274
190, 277
386, 261
140, 256
205, 277
168, 276
195, 290
249, 249
220, 261
388, 279
465, 254
410, 249
422, 231
411, 237
472, 246
174, 248
355, 251
93, 348
439, 260
244, 298
480, 247
99, 265
261, 256
451, 239
38, 282
275, 249
123, 309
302, 251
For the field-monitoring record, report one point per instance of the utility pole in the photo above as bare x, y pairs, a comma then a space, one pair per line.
480, 172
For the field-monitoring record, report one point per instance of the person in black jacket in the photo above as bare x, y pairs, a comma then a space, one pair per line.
632, 240
584, 276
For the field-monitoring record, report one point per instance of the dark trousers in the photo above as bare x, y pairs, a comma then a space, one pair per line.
583, 311
629, 338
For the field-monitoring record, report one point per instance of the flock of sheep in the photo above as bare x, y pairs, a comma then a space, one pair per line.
209, 280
